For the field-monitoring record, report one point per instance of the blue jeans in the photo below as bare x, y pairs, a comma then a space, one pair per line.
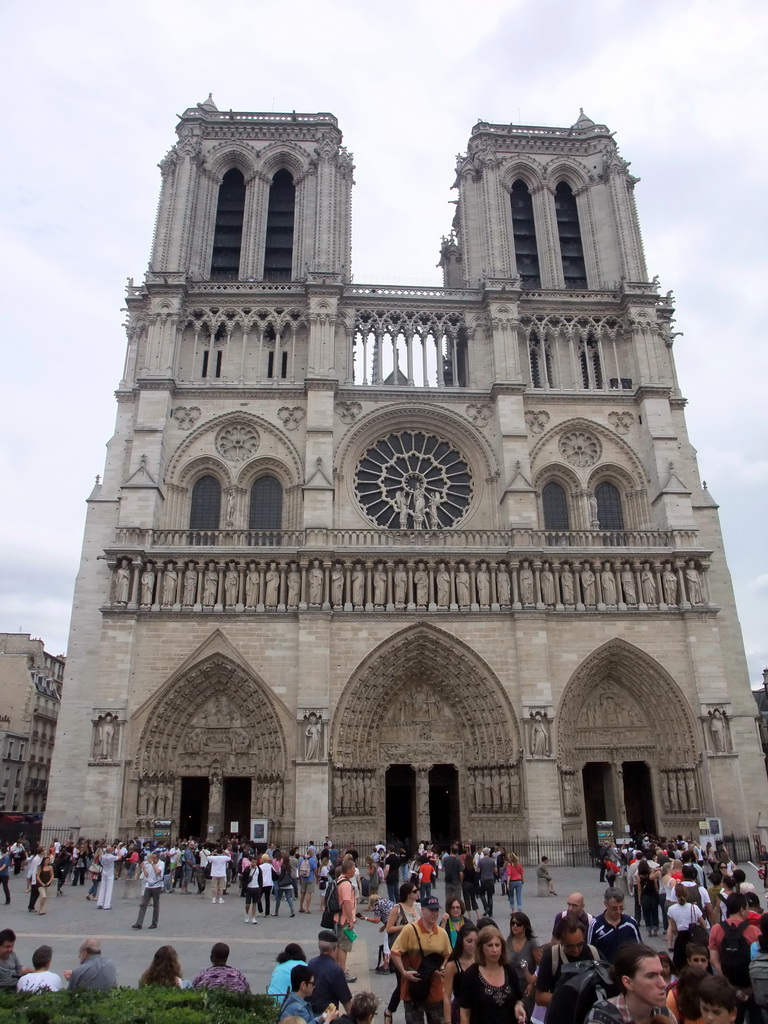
425, 890
287, 895
515, 892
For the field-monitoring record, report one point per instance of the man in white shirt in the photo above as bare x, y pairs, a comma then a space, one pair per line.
32, 865
219, 862
152, 873
42, 978
108, 858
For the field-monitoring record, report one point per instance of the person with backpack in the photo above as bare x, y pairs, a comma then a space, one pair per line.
307, 877
284, 883
571, 947
638, 973
685, 925
758, 967
729, 947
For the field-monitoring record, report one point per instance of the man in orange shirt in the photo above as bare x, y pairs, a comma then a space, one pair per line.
412, 944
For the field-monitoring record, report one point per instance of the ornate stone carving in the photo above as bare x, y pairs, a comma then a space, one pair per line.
106, 737
348, 411
123, 582
186, 416
570, 789
479, 414
492, 789
414, 479
537, 420
539, 734
237, 442
291, 416
719, 730
621, 421
312, 726
580, 448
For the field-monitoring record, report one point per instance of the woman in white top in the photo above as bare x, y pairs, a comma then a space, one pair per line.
683, 916
265, 869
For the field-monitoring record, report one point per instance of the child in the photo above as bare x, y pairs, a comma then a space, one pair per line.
718, 1000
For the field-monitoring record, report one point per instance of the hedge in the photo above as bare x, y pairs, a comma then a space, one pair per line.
150, 1005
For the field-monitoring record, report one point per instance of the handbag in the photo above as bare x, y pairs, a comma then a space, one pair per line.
432, 962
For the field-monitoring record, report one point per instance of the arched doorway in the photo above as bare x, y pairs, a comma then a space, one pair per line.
212, 753
425, 745
624, 731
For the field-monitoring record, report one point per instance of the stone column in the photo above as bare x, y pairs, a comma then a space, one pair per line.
423, 825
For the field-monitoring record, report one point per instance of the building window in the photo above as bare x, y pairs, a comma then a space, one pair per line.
278, 253
609, 513
228, 233
591, 366
569, 233
266, 511
524, 235
206, 504
541, 363
555, 506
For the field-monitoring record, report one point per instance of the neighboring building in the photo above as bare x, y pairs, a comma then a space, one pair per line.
392, 560
30, 684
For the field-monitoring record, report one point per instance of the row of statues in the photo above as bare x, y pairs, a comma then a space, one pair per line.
493, 790
678, 790
430, 585
353, 792
155, 796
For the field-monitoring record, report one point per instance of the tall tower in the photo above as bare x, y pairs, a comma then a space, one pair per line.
418, 562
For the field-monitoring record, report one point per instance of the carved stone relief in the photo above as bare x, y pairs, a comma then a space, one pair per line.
291, 417
580, 448
186, 416
718, 730
621, 421
479, 414
312, 739
537, 420
348, 411
237, 442
539, 734
106, 737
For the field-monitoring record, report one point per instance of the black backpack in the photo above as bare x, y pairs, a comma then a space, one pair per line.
332, 903
758, 978
581, 984
735, 954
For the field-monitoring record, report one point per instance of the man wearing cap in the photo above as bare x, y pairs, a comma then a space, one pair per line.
330, 984
412, 944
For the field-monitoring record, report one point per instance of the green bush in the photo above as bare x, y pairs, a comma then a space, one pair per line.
136, 1006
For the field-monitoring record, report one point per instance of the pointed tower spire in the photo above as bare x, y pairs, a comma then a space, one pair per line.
209, 104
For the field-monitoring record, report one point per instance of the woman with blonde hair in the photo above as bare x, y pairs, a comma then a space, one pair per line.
267, 880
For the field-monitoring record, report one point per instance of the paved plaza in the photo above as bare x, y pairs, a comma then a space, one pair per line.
192, 924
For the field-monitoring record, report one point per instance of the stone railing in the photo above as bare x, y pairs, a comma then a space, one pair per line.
367, 538
431, 584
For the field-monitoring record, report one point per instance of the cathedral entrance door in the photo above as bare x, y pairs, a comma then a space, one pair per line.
400, 803
596, 778
237, 805
444, 804
193, 812
638, 797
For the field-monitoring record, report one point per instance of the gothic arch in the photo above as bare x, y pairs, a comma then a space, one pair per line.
284, 156
464, 704
621, 704
569, 171
527, 169
226, 155
633, 467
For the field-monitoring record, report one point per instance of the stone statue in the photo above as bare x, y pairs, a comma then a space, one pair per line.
419, 505
526, 584
628, 585
588, 584
669, 585
462, 586
231, 581
718, 731
547, 585
421, 583
147, 584
694, 584
272, 588
514, 786
672, 791
648, 584
312, 736
358, 586
682, 792
434, 501
294, 586
105, 738
170, 581
608, 582
380, 585
566, 584
123, 583
504, 791
483, 583
478, 789
190, 584
402, 503
252, 586
495, 790
443, 581
594, 512
539, 734
315, 583
690, 785
401, 584
487, 800
337, 585
502, 586
230, 515
210, 585
569, 795
338, 796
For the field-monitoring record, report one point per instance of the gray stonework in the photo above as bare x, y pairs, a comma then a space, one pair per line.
410, 636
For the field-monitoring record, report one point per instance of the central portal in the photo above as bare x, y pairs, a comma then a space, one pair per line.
401, 804
444, 818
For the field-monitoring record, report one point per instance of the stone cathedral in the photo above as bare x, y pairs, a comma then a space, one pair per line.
404, 562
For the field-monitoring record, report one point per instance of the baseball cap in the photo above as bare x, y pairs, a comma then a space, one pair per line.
431, 903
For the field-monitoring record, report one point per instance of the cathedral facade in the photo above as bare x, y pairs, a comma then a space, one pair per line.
388, 561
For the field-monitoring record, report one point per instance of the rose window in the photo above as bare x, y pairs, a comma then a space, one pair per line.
413, 480
237, 443
580, 448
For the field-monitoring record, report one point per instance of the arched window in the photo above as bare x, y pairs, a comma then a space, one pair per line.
206, 504
555, 506
571, 249
228, 233
609, 513
591, 366
278, 254
524, 234
266, 511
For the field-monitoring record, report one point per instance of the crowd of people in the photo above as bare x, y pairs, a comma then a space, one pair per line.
454, 961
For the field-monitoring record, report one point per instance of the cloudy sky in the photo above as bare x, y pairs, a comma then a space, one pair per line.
92, 90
